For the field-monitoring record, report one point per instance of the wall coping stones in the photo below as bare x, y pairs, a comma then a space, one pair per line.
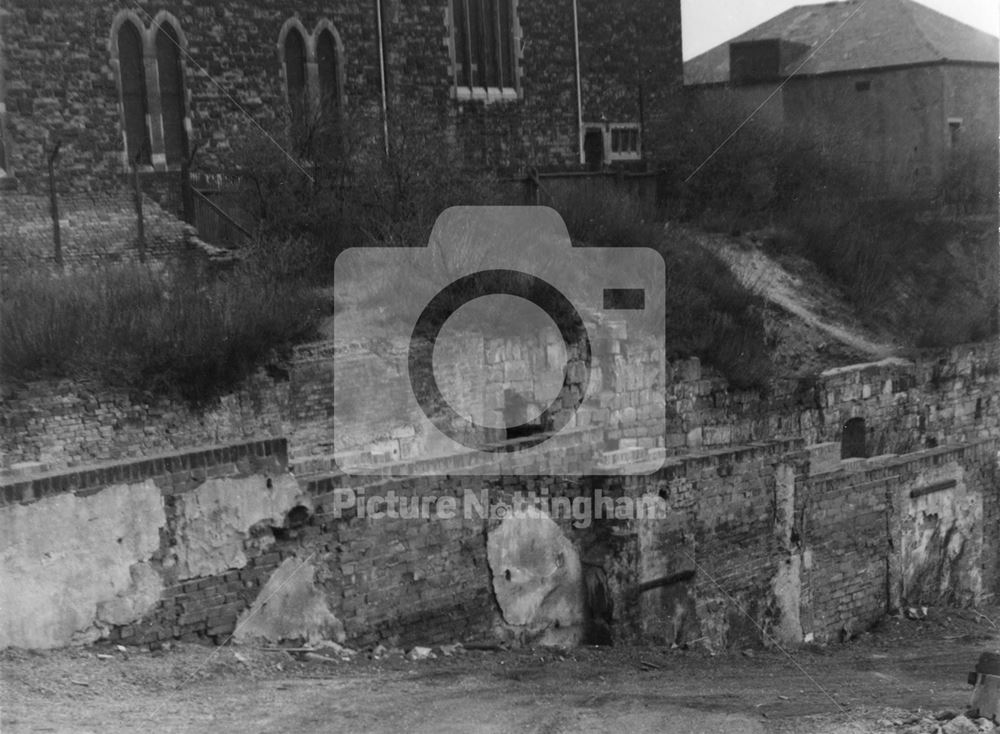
925, 457
85, 480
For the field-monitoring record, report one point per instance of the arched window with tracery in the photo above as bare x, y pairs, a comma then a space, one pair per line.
135, 104
171, 81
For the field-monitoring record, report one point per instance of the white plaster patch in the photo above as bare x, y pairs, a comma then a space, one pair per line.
290, 607
213, 520
942, 539
537, 577
63, 556
140, 596
787, 589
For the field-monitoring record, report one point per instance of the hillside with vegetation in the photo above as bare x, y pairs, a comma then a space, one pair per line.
776, 263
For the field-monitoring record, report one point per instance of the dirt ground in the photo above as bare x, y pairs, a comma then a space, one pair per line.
892, 679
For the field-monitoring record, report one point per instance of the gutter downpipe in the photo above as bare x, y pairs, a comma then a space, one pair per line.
381, 68
579, 93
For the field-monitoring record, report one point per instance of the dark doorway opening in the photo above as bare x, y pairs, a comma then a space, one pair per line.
593, 149
852, 443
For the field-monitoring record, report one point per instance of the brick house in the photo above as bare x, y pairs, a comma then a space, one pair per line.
905, 96
516, 84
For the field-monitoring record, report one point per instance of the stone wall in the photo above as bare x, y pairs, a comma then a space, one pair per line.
764, 531
733, 547
68, 423
94, 229
910, 530
943, 397
61, 82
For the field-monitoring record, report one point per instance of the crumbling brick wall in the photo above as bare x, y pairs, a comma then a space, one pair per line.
426, 579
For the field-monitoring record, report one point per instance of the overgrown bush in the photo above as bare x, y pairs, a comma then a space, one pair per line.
708, 313
732, 173
927, 278
342, 188
604, 215
895, 261
165, 331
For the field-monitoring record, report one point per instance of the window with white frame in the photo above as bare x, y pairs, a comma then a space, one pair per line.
623, 142
607, 142
484, 42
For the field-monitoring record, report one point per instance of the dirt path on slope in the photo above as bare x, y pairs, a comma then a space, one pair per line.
813, 303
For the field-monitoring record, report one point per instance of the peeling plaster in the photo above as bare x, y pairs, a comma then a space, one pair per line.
213, 520
290, 607
786, 586
70, 563
537, 578
942, 542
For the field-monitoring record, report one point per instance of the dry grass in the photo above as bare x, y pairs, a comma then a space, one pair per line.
162, 330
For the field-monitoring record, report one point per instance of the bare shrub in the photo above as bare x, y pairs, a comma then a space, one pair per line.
708, 313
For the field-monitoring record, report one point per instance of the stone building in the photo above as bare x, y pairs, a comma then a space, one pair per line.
905, 96
516, 84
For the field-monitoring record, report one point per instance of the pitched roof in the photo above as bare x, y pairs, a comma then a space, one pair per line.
874, 33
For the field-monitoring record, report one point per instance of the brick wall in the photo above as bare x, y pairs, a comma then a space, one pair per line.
853, 533
733, 518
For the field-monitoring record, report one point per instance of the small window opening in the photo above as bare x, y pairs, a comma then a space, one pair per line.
862, 86
852, 443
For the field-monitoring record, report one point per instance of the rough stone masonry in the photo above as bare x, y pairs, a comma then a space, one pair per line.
760, 513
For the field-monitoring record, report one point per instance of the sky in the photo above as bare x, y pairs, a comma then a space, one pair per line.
707, 23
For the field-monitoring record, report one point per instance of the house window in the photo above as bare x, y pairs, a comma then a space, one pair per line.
862, 86
135, 106
609, 142
171, 81
624, 142
485, 56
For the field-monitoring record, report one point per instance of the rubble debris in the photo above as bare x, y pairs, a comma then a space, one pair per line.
316, 657
420, 653
961, 725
